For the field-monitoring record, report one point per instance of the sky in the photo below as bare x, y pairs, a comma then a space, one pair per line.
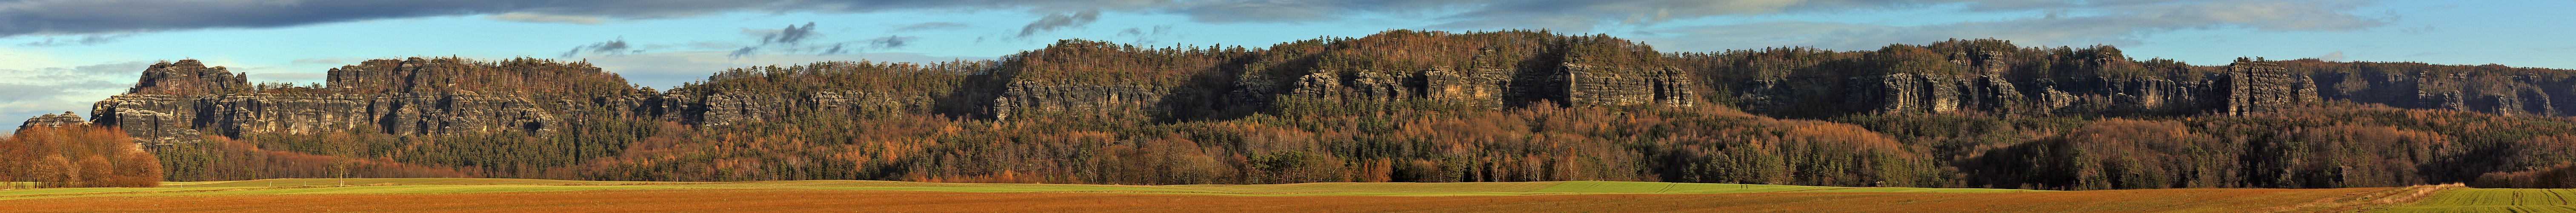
63, 55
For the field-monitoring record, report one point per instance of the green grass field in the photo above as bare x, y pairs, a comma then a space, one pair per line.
2494, 200
468, 185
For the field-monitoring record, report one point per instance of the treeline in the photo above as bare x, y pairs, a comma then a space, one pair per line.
2555, 177
1537, 144
363, 153
74, 156
219, 158
2321, 147
2328, 146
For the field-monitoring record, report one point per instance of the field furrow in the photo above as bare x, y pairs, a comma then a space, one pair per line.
2493, 200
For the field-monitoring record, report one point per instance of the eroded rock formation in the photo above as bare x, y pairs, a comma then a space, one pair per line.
54, 120
2257, 87
188, 76
182, 101
176, 111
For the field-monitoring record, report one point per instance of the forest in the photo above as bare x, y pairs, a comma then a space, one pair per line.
74, 156
1382, 108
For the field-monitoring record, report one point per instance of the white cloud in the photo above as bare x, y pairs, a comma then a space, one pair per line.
30, 92
24, 59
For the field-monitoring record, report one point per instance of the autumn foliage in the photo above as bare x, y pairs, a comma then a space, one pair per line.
2555, 177
75, 156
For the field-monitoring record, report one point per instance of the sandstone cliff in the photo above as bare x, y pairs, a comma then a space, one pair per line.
171, 113
189, 77
181, 101
54, 120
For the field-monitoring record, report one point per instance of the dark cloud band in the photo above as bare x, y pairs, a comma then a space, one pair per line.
117, 16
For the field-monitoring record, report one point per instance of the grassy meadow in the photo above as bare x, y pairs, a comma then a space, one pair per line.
2494, 200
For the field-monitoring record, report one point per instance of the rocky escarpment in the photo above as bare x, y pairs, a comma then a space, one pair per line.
170, 113
54, 120
1569, 83
738, 107
1011, 97
400, 114
189, 77
2258, 87
181, 101
1039, 97
2491, 89
2247, 87
1621, 86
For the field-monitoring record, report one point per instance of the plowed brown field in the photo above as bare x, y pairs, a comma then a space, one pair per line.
809, 200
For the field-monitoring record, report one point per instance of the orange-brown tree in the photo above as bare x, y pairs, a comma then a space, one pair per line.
75, 156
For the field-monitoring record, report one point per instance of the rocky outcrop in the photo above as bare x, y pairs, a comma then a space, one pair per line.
181, 101
2257, 87
1371, 85
2502, 93
2533, 102
1910, 93
165, 119
1318, 85
54, 120
188, 76
177, 116
1038, 97
2250, 88
1568, 84
151, 119
1628, 86
1571, 84
729, 109
1472, 87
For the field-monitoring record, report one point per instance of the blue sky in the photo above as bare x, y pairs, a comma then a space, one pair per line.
61, 55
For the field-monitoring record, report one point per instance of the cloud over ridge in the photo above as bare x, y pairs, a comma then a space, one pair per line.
62, 17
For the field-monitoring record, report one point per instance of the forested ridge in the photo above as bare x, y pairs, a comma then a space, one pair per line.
1399, 106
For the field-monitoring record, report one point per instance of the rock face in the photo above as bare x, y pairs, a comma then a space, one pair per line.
2502, 93
1614, 86
54, 120
1910, 93
172, 113
1568, 84
151, 119
2248, 87
2257, 87
180, 102
1473, 87
189, 77
1039, 97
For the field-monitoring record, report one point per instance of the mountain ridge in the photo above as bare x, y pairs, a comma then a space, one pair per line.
1349, 95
